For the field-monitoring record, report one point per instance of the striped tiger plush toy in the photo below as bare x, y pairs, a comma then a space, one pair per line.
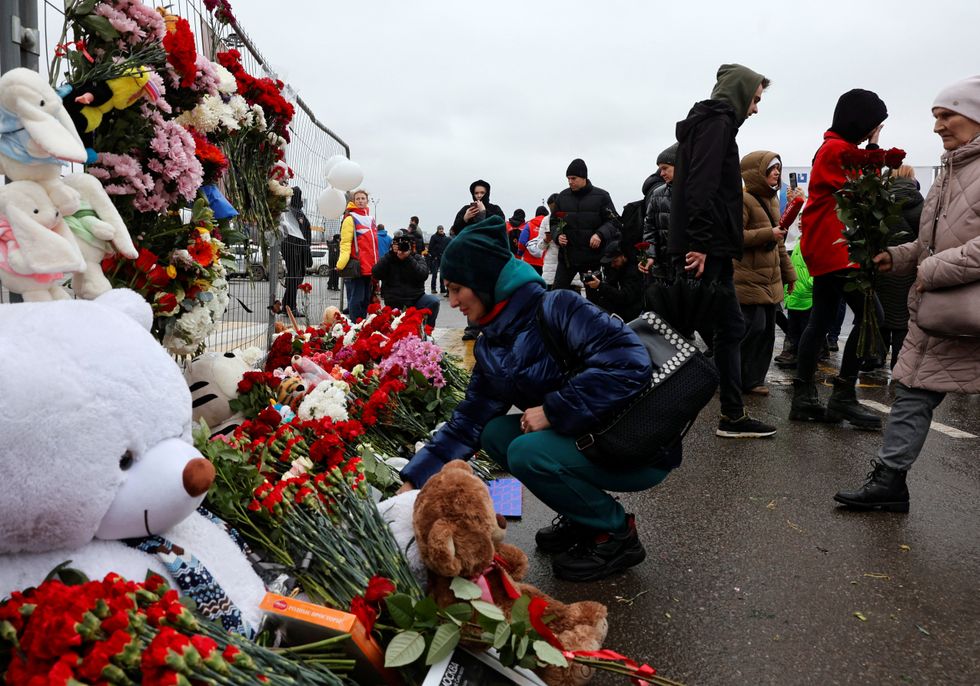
213, 379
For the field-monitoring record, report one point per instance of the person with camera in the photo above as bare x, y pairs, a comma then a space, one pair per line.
619, 288
587, 222
764, 266
403, 273
593, 536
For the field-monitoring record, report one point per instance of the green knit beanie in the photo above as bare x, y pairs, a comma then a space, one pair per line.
479, 256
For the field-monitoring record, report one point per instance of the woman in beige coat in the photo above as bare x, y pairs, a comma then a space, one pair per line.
946, 255
764, 267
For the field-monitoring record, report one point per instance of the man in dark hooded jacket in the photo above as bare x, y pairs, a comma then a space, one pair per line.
706, 224
587, 218
478, 210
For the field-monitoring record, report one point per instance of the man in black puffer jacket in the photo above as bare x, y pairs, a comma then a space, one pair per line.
706, 224
403, 273
656, 218
588, 219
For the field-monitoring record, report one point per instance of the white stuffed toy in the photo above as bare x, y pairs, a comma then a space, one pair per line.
36, 247
37, 136
102, 452
99, 232
213, 381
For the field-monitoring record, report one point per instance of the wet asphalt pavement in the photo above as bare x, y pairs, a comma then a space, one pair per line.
755, 576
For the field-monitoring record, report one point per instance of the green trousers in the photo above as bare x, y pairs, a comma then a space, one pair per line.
564, 479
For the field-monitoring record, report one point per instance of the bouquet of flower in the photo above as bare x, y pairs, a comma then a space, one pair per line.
417, 632
181, 274
116, 631
867, 208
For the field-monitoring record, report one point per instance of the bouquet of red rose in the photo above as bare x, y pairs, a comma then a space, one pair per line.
867, 207
116, 631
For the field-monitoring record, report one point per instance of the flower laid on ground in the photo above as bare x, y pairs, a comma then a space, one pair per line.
119, 632
868, 209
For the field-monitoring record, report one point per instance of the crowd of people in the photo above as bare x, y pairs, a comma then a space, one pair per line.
709, 216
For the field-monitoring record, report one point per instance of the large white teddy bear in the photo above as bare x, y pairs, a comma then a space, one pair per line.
95, 447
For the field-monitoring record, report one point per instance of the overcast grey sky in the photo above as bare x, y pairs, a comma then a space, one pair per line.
431, 95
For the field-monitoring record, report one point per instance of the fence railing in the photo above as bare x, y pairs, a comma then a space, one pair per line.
249, 319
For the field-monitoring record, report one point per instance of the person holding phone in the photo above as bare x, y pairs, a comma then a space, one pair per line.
479, 209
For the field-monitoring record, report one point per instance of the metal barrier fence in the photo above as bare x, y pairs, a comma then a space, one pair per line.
248, 319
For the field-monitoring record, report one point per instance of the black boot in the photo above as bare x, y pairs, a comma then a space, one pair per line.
806, 405
843, 404
885, 490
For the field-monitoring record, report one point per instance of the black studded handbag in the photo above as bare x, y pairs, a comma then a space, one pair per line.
648, 430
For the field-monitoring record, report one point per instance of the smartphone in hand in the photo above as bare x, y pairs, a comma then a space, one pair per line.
792, 181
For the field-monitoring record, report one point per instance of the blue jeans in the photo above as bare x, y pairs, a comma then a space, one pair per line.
358, 297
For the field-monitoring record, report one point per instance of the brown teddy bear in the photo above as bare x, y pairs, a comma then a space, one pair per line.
459, 534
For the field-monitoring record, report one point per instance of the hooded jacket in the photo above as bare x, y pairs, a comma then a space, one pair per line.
492, 210
764, 266
706, 202
513, 368
585, 212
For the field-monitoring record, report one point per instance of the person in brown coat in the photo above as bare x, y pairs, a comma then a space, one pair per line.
764, 267
946, 260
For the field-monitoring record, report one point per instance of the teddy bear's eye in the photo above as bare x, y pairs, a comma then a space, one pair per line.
36, 210
42, 103
126, 461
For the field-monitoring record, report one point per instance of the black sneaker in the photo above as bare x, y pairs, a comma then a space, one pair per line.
561, 535
832, 344
743, 427
604, 555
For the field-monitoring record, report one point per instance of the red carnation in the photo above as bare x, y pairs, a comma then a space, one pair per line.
181, 52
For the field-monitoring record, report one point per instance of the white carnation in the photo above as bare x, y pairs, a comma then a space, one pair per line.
251, 355
226, 80
328, 399
189, 331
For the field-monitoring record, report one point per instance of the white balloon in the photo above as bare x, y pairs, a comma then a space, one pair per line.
331, 203
331, 163
345, 175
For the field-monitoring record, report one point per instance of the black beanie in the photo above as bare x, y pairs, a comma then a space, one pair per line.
858, 112
577, 168
668, 156
542, 211
476, 257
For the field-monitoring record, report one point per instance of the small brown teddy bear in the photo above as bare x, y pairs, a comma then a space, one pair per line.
459, 534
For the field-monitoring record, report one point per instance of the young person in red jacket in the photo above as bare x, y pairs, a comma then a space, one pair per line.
858, 117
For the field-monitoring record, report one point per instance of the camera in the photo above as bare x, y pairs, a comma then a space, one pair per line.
403, 244
589, 276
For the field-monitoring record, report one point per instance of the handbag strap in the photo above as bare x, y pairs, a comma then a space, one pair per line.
765, 209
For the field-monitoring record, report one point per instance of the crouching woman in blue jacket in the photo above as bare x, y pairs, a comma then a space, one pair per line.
592, 536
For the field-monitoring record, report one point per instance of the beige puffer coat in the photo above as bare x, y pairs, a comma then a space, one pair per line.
940, 363
765, 266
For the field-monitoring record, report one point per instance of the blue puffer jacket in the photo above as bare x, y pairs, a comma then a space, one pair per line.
513, 368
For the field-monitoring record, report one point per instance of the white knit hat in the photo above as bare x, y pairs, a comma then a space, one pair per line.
962, 97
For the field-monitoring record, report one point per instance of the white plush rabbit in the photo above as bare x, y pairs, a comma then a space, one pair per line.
36, 247
37, 136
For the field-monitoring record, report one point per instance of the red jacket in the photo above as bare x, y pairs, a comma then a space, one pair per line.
819, 226
533, 229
